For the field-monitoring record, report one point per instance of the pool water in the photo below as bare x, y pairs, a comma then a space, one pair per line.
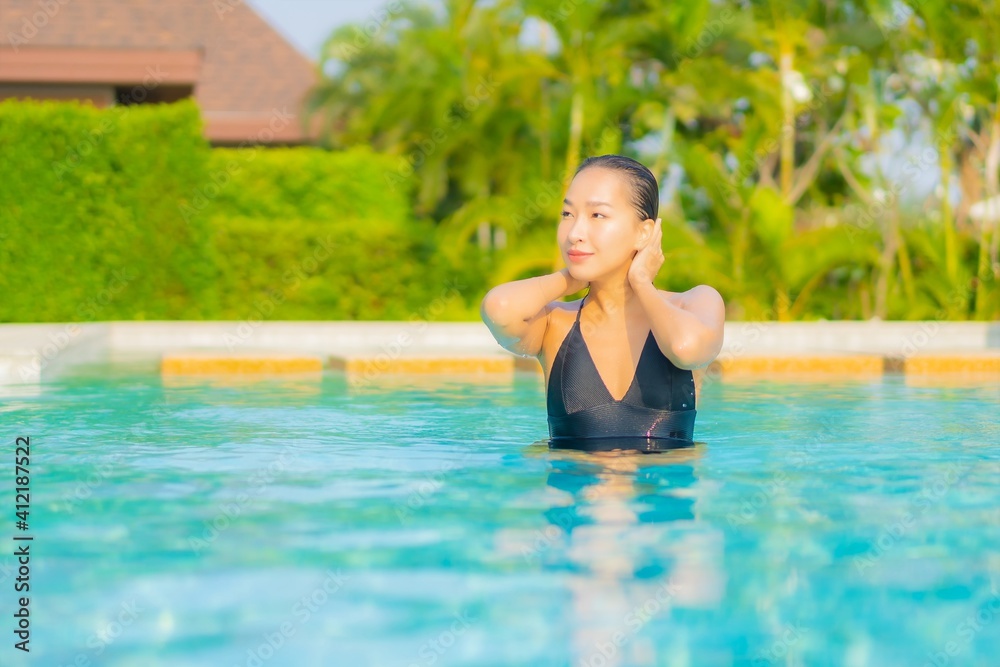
310, 522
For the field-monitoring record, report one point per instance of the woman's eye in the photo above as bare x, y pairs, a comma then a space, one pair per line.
566, 213
598, 215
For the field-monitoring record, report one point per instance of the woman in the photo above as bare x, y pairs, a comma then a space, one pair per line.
618, 361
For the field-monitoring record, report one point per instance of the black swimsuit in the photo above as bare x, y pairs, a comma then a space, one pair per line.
656, 413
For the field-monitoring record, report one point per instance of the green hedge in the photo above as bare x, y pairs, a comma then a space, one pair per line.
341, 269
304, 234
282, 184
90, 227
127, 213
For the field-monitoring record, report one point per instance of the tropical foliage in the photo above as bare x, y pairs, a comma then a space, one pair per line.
817, 159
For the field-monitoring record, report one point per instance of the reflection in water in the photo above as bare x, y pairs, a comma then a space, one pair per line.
249, 384
635, 548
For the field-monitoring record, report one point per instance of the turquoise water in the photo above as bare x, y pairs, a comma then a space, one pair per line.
306, 522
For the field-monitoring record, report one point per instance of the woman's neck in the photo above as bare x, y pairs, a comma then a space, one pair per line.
612, 299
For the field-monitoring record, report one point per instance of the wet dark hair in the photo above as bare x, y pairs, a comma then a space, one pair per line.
645, 193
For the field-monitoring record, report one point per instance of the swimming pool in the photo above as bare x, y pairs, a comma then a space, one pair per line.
306, 522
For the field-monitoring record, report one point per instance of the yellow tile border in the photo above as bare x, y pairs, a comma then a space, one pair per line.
208, 364
805, 365
983, 364
369, 366
978, 364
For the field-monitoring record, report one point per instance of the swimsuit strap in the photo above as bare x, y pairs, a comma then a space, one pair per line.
580, 309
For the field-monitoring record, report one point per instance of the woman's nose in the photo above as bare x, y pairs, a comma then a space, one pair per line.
577, 230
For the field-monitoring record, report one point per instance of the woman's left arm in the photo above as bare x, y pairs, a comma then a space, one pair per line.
688, 327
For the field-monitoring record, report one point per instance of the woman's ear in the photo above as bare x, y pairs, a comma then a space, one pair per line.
646, 233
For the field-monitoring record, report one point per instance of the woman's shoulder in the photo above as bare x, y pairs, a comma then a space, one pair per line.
564, 306
700, 295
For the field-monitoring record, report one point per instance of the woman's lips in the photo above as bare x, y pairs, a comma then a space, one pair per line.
577, 256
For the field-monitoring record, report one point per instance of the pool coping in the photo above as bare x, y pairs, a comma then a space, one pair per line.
31, 353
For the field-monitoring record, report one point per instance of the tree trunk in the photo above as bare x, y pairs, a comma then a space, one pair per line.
740, 240
991, 171
886, 263
864, 298
575, 134
947, 218
660, 169
781, 304
903, 256
576, 116
788, 118
545, 125
884, 274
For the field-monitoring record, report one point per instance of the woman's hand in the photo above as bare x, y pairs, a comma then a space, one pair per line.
647, 260
573, 285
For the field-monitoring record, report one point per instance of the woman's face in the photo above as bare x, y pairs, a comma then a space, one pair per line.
599, 231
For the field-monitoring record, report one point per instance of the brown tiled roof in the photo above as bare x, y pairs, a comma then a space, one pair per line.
248, 73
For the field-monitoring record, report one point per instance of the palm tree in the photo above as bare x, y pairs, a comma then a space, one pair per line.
446, 95
964, 32
768, 119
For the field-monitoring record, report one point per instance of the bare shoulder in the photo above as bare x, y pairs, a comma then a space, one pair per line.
700, 298
563, 307
559, 316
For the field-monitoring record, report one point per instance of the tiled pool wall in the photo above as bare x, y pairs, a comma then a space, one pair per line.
31, 353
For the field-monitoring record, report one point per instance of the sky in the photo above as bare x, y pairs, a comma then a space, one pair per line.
307, 23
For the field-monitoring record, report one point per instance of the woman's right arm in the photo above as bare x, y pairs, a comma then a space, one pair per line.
517, 312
